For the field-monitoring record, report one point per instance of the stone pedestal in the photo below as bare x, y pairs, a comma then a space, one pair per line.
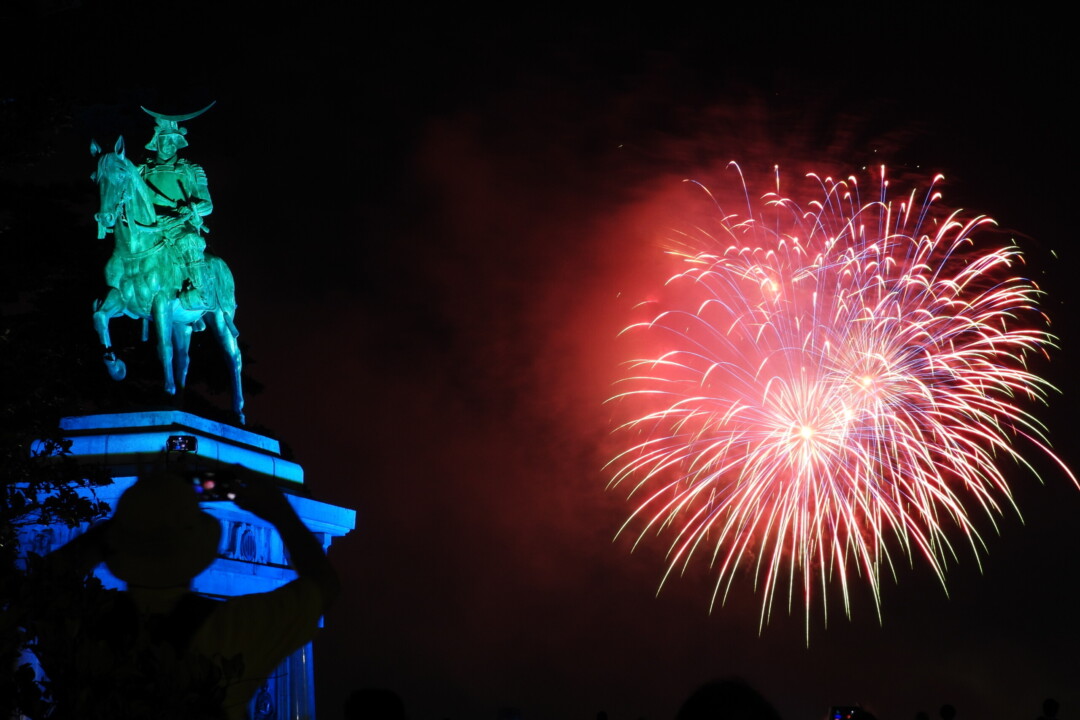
251, 557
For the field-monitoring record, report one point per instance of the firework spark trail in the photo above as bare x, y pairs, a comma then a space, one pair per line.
837, 383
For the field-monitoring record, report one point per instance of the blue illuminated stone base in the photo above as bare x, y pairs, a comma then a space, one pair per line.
251, 557
136, 443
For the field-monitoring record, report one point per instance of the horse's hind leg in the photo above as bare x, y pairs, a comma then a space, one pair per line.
105, 310
181, 345
224, 327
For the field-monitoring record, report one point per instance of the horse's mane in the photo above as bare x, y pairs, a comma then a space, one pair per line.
113, 164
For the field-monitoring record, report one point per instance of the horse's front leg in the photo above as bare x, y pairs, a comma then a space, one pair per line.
104, 311
161, 309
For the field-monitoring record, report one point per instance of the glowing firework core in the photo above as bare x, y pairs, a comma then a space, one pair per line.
828, 385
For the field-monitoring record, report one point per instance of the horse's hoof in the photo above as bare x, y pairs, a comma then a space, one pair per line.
116, 367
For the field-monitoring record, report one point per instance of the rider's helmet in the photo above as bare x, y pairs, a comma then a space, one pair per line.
170, 125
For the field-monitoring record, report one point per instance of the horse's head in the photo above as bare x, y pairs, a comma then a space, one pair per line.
117, 180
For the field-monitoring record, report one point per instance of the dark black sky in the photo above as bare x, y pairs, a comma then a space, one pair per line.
438, 222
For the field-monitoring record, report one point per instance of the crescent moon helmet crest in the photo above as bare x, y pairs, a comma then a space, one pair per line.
169, 125
177, 118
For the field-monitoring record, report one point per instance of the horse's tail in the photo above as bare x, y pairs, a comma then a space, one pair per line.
224, 289
231, 325
223, 283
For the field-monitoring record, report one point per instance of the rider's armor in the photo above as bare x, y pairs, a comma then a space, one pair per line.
183, 199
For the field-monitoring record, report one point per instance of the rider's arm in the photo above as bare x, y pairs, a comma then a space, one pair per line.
200, 201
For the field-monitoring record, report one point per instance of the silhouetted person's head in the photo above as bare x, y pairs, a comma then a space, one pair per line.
1050, 708
158, 537
730, 699
947, 712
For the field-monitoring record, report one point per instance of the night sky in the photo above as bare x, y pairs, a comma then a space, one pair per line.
439, 222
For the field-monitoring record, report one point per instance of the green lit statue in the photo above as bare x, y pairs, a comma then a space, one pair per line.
159, 269
182, 199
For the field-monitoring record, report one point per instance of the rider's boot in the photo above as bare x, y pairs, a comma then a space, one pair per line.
191, 293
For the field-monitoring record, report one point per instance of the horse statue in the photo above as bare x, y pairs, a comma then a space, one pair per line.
145, 276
